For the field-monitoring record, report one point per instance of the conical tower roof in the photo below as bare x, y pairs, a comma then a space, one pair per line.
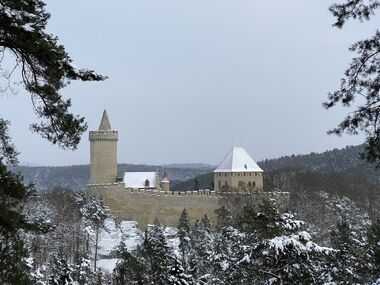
238, 160
105, 122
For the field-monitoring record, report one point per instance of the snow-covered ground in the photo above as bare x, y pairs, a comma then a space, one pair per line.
128, 233
114, 234
107, 265
173, 241
110, 238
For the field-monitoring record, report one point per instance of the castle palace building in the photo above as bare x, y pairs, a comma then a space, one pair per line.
143, 196
238, 172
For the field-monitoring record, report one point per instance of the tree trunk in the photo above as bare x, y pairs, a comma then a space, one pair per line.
96, 247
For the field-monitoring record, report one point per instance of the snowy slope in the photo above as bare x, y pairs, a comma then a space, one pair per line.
128, 233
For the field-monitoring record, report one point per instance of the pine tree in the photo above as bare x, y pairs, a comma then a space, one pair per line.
83, 273
275, 248
227, 252
196, 184
13, 221
62, 272
158, 254
374, 243
206, 224
267, 223
131, 269
224, 217
350, 264
361, 79
95, 213
184, 234
201, 249
178, 275
45, 69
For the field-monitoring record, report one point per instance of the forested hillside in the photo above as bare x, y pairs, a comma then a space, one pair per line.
77, 176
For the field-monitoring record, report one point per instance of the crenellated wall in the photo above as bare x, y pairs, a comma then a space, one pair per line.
144, 206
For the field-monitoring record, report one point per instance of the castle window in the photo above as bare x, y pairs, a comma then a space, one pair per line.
254, 184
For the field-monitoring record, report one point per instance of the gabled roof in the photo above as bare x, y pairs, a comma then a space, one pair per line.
105, 122
238, 160
137, 180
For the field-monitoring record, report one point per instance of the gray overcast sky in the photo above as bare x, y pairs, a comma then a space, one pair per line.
190, 79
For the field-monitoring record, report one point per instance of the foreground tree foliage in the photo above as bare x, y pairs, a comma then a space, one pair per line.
31, 55
45, 69
13, 254
361, 83
14, 268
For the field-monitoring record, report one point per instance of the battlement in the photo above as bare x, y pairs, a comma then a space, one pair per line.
120, 186
103, 135
145, 205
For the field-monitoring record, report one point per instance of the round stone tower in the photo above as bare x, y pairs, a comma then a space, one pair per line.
103, 153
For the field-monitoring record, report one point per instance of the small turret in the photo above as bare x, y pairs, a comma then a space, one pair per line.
165, 183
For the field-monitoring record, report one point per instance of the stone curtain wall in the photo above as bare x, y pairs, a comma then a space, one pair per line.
144, 206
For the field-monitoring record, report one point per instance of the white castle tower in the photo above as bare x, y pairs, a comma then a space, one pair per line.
103, 153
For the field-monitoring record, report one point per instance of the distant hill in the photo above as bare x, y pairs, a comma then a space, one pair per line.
77, 176
332, 160
189, 165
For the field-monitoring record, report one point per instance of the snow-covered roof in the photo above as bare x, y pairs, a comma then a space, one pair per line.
137, 179
238, 160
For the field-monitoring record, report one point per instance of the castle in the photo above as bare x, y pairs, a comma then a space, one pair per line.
143, 196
